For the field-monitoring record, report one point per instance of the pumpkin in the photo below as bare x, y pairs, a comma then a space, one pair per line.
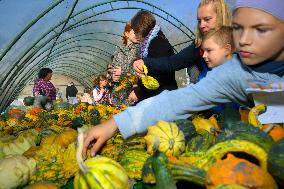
42, 185
54, 163
113, 147
187, 128
276, 131
64, 137
199, 144
219, 150
229, 186
276, 161
29, 100
18, 145
15, 171
233, 170
244, 131
99, 172
201, 123
148, 81
167, 137
157, 165
57, 106
132, 161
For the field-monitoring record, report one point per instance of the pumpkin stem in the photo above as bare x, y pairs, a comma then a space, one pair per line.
79, 158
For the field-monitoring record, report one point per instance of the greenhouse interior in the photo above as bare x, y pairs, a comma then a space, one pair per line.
142, 94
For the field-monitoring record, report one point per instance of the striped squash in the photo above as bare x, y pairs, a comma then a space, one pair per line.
98, 172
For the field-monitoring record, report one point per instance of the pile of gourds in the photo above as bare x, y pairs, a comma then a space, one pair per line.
201, 152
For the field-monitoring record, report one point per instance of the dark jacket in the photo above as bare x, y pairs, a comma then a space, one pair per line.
186, 58
159, 47
71, 91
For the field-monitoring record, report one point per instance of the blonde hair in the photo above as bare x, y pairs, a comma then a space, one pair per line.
222, 36
223, 16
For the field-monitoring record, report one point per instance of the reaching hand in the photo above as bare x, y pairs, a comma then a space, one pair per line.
132, 97
138, 67
100, 133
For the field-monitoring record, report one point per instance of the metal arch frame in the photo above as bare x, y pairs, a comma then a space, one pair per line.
101, 13
34, 21
131, 8
20, 72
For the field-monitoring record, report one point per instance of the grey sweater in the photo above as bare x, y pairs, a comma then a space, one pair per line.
226, 83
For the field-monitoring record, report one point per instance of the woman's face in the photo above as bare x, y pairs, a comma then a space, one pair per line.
131, 36
206, 17
48, 77
258, 40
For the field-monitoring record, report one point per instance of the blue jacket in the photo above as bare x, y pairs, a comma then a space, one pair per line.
224, 84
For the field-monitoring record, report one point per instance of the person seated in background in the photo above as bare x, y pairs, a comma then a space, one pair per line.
101, 92
43, 86
71, 93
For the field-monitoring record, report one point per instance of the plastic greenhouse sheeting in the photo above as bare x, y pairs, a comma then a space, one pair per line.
76, 38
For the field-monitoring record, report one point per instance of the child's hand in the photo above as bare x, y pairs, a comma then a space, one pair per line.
100, 133
132, 97
138, 67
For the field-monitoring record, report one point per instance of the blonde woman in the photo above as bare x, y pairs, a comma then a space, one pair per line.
211, 14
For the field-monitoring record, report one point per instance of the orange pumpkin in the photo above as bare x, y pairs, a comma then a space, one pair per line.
42, 185
277, 132
233, 170
244, 115
63, 138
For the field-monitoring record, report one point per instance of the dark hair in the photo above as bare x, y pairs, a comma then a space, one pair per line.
43, 72
142, 23
98, 79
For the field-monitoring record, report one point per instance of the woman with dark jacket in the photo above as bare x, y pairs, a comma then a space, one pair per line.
154, 44
210, 14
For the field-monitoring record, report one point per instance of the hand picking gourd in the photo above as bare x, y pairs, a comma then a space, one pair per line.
148, 81
98, 172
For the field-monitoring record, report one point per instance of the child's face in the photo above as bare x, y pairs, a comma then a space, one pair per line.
214, 54
258, 36
206, 17
131, 36
103, 83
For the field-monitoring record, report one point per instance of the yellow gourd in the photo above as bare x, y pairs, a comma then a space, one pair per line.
148, 81
99, 172
170, 139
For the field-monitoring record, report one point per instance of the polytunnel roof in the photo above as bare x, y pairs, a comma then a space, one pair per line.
76, 38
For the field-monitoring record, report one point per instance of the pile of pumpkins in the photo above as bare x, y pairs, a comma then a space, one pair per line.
203, 153
234, 152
